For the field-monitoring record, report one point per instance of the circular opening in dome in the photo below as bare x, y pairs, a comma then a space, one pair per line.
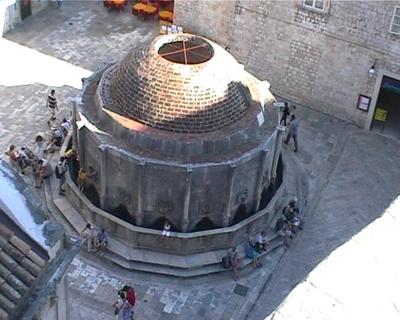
187, 51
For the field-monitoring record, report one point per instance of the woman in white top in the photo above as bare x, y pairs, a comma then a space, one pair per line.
39, 141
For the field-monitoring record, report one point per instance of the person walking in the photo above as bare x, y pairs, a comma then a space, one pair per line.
285, 113
292, 111
52, 105
61, 169
293, 126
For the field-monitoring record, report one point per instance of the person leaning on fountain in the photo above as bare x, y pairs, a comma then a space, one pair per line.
83, 176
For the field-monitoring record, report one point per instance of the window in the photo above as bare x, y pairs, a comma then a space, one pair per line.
314, 4
395, 25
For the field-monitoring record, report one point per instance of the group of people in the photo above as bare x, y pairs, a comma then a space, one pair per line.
126, 298
288, 223
24, 159
253, 249
95, 239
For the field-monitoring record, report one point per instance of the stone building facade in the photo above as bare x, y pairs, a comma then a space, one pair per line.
13, 12
313, 52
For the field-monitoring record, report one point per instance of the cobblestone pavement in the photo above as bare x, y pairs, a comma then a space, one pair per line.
353, 174
82, 35
93, 284
338, 261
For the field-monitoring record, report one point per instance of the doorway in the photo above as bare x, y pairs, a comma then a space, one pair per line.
386, 117
26, 10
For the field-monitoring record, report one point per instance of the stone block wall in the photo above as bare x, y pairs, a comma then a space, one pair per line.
319, 59
149, 189
10, 13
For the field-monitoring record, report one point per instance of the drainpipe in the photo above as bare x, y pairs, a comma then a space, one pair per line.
260, 184
74, 126
188, 187
103, 175
139, 216
227, 213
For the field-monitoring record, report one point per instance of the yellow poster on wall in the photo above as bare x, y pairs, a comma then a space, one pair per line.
380, 114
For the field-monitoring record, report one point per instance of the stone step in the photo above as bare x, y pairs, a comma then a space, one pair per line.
162, 267
70, 214
153, 261
174, 260
73, 217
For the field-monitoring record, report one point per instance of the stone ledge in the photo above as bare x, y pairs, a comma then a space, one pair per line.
200, 269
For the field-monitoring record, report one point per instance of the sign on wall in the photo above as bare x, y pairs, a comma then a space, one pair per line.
380, 114
363, 102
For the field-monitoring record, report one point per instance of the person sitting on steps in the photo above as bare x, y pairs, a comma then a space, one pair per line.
262, 242
251, 252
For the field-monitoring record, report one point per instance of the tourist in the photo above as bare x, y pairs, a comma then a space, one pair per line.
292, 111
40, 147
293, 126
73, 164
65, 126
13, 156
124, 307
233, 261
118, 304
61, 169
296, 219
44, 170
285, 113
283, 229
52, 105
251, 252
261, 242
166, 233
102, 239
82, 177
26, 159
90, 235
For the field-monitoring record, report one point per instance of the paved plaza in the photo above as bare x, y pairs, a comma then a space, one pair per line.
340, 265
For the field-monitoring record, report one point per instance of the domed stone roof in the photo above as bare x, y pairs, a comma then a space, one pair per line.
180, 83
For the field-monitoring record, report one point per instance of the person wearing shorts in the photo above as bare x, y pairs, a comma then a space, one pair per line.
52, 105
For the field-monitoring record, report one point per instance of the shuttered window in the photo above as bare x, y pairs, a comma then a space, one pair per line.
314, 4
395, 25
